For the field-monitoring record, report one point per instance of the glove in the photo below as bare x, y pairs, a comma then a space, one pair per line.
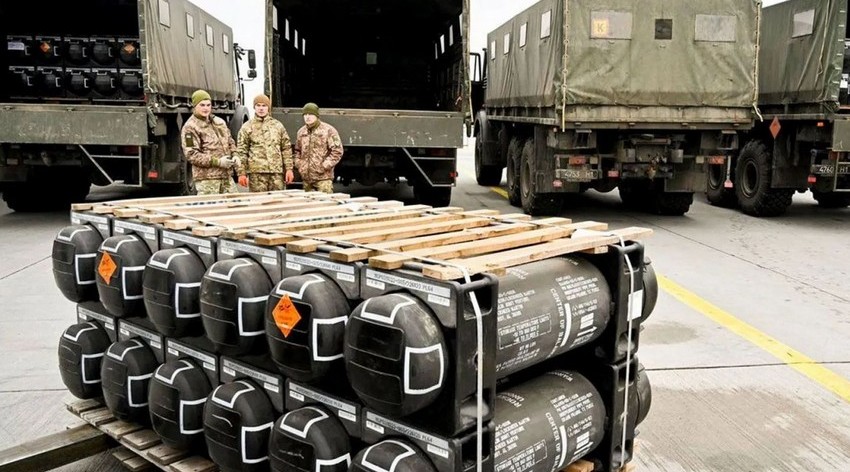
243, 180
226, 162
290, 177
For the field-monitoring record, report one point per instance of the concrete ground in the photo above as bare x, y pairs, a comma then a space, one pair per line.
748, 349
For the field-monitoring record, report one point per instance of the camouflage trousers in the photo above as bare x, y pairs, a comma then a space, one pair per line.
215, 186
326, 186
265, 182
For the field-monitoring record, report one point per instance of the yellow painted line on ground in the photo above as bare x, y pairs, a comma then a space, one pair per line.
500, 191
795, 359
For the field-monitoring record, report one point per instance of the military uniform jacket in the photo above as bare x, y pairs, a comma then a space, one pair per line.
204, 142
317, 152
264, 147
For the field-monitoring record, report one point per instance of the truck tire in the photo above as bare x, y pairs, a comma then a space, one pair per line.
635, 194
436, 197
534, 203
832, 199
752, 183
514, 159
33, 197
486, 175
671, 203
717, 194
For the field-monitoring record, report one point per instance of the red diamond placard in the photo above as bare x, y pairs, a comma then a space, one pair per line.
107, 267
286, 316
775, 127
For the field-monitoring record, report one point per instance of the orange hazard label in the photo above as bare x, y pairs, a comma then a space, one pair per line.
107, 267
775, 127
286, 316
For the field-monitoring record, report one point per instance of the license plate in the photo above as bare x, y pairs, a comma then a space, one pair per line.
577, 175
829, 169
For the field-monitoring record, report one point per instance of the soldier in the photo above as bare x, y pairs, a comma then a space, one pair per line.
318, 150
208, 146
264, 151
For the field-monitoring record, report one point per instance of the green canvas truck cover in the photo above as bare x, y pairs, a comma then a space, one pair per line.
802, 52
652, 53
177, 71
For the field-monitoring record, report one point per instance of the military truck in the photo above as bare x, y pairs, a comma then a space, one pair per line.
84, 100
392, 77
803, 139
638, 96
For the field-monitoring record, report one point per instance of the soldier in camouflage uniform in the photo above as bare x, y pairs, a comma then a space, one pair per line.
318, 149
208, 146
264, 151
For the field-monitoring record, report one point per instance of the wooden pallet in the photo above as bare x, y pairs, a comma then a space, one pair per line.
450, 242
142, 448
457, 244
212, 215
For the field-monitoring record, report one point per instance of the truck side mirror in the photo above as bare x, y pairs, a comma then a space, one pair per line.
252, 59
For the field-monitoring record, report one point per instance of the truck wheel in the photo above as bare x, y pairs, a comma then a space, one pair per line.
487, 175
634, 194
514, 160
18, 199
717, 194
434, 196
832, 199
671, 203
752, 183
534, 203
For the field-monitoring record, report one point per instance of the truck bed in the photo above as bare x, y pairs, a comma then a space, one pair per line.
376, 54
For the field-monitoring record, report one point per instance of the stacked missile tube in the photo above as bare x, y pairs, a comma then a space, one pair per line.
264, 355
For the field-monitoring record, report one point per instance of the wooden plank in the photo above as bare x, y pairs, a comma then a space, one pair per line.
180, 224
282, 230
80, 406
515, 217
122, 454
448, 209
208, 214
118, 429
136, 464
103, 209
55, 450
490, 245
98, 416
164, 454
81, 206
148, 203
338, 230
472, 234
244, 217
483, 212
193, 464
390, 234
291, 217
515, 257
128, 212
141, 440
580, 466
